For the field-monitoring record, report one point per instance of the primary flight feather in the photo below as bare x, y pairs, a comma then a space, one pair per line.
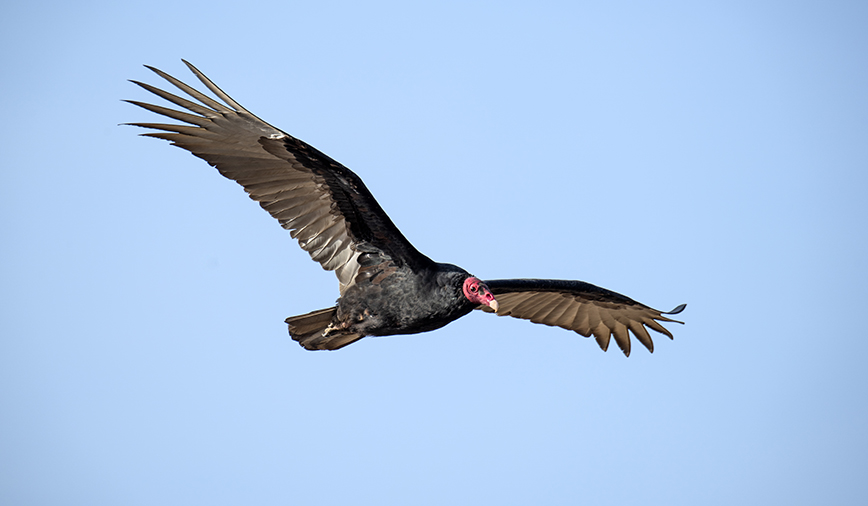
387, 287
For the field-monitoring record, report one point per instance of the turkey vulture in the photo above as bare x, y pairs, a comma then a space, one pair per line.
387, 287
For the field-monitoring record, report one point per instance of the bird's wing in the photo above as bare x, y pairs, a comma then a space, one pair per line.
581, 307
324, 205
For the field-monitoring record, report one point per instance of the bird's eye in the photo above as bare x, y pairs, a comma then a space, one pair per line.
473, 288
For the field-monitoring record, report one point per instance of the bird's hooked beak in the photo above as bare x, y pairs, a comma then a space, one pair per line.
488, 297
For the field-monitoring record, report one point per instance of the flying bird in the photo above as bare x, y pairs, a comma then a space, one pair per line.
387, 287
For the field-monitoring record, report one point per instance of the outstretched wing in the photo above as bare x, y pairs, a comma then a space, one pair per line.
323, 204
581, 307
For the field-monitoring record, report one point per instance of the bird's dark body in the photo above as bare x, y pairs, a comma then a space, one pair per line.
387, 287
404, 302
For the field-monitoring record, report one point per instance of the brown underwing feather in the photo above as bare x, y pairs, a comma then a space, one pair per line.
324, 205
581, 307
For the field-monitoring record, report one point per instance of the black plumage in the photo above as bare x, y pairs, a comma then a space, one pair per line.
387, 287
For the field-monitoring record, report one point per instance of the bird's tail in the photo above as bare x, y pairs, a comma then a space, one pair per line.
310, 331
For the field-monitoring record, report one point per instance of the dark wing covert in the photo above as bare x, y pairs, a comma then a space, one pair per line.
323, 204
581, 307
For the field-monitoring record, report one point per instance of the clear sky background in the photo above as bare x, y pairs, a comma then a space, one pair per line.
711, 153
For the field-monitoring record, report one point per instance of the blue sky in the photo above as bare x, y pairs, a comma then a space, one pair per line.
714, 154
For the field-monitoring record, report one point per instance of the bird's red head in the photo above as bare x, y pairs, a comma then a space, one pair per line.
477, 292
